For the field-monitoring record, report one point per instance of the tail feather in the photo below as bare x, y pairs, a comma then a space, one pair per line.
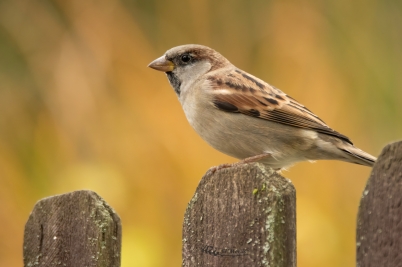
358, 156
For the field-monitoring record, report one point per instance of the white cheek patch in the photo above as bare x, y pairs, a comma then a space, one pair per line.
194, 71
191, 73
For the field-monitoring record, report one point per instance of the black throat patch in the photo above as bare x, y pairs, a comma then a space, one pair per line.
174, 82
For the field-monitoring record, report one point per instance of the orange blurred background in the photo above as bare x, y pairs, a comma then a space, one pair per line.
79, 109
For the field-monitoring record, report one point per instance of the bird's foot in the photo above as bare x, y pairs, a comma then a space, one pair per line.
243, 161
212, 170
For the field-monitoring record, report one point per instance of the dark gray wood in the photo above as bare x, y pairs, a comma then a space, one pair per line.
241, 216
379, 222
75, 229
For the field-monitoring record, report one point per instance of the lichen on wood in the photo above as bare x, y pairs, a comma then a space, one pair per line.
241, 216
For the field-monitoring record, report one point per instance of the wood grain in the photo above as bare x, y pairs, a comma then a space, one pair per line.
74, 229
241, 216
379, 222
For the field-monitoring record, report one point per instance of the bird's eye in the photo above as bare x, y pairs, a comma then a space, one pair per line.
185, 58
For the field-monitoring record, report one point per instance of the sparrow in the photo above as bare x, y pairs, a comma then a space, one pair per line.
247, 118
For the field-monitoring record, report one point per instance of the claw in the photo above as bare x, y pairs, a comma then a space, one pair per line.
244, 161
220, 167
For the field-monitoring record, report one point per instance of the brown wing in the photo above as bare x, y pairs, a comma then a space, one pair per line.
241, 92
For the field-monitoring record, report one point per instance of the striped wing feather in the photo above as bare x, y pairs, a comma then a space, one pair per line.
241, 92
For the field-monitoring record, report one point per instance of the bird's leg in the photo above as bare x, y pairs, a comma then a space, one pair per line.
243, 161
254, 158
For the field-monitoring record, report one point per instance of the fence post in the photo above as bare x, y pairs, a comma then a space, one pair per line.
379, 222
74, 229
241, 216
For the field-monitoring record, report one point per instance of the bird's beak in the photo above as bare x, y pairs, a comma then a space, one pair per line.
162, 64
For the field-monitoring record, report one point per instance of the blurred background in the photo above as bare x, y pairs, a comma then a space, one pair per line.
79, 109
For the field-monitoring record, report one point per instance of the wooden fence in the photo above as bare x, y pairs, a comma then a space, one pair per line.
242, 216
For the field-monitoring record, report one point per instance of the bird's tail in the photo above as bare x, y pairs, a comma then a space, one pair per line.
358, 156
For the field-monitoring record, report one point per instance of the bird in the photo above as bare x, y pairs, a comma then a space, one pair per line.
245, 117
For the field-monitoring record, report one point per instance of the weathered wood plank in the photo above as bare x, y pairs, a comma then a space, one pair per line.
241, 216
74, 229
379, 222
